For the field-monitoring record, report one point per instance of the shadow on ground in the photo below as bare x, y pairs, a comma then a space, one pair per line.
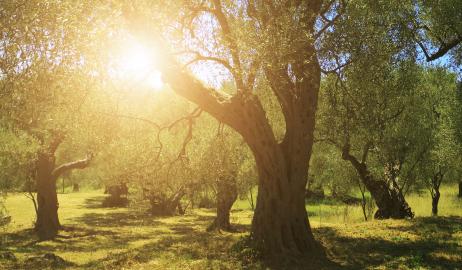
423, 243
126, 238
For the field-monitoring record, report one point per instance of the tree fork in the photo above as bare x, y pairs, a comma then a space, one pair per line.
280, 222
47, 224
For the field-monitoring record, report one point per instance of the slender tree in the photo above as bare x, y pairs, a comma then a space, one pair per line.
441, 160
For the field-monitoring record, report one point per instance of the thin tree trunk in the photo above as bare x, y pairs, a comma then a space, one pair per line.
435, 200
47, 224
363, 205
460, 189
252, 205
226, 196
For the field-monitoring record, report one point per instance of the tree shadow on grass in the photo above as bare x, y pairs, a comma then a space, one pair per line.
428, 250
24, 239
116, 219
184, 243
128, 238
94, 202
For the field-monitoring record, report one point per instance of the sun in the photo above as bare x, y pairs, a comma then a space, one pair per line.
135, 63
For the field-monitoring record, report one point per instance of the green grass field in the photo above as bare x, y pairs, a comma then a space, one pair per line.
120, 238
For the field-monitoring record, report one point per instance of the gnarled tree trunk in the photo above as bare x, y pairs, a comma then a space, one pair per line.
161, 205
436, 181
435, 201
47, 224
390, 201
226, 196
280, 227
280, 223
75, 187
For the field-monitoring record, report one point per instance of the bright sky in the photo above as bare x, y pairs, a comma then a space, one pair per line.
135, 63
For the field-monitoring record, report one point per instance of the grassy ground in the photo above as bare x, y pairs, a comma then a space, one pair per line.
102, 238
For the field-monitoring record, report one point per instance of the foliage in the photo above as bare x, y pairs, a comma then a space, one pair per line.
328, 170
17, 154
401, 115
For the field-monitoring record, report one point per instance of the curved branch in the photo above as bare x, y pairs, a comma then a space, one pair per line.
442, 50
223, 21
346, 155
218, 13
78, 164
208, 99
254, 67
200, 57
224, 63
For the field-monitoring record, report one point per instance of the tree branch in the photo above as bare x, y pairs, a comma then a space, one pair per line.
366, 149
331, 22
56, 139
78, 164
442, 50
217, 11
254, 67
217, 103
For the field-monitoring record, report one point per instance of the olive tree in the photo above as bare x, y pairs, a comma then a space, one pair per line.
285, 42
44, 85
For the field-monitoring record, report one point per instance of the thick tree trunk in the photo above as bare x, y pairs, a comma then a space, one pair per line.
47, 224
390, 202
226, 196
435, 200
280, 223
280, 226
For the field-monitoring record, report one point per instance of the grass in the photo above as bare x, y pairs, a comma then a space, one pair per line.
120, 238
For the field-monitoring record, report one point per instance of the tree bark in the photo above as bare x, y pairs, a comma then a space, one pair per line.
280, 222
47, 224
435, 200
226, 196
280, 227
390, 202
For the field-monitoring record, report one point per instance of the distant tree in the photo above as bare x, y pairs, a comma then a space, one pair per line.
457, 120
44, 90
367, 122
442, 160
223, 160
